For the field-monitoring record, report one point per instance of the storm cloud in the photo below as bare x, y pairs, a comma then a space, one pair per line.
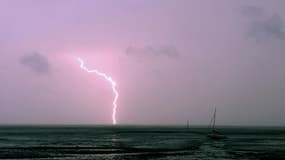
36, 62
263, 26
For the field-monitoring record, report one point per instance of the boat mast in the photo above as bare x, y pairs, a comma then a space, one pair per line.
187, 123
214, 121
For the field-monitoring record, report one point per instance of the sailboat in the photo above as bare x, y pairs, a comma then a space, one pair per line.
214, 134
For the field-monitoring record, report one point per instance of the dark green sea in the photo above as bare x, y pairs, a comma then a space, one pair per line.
140, 142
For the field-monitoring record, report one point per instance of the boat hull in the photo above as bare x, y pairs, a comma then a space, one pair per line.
216, 136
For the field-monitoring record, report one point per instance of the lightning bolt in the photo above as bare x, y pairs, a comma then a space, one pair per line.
110, 80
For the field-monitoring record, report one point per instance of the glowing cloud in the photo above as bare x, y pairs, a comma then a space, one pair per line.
110, 80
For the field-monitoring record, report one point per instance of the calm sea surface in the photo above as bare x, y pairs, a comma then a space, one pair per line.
136, 142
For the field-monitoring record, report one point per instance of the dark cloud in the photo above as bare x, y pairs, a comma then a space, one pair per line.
36, 62
263, 26
267, 29
168, 51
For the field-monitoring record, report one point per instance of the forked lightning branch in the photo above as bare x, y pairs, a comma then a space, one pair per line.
108, 79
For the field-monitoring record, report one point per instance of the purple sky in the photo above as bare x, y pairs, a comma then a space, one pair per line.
173, 60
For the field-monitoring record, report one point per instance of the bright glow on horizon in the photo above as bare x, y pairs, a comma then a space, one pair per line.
110, 80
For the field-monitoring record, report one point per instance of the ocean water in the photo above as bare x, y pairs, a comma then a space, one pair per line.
139, 142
